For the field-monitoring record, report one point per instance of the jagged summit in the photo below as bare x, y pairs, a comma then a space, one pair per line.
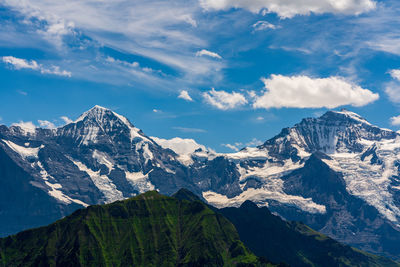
100, 121
344, 115
100, 114
333, 132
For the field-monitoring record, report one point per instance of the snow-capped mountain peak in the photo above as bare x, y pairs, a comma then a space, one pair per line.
344, 115
333, 132
95, 112
100, 122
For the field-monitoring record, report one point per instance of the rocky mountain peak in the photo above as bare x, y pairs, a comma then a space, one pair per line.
335, 131
100, 123
343, 116
102, 116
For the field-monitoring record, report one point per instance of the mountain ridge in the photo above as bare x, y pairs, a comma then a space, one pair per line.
102, 157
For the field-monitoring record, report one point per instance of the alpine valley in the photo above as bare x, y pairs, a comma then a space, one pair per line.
337, 174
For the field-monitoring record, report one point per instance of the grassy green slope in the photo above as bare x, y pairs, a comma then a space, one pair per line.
148, 230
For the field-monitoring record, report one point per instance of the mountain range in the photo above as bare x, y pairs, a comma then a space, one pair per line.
337, 173
155, 230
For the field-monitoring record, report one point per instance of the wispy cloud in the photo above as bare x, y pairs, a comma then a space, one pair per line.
189, 130
207, 53
392, 88
263, 25
20, 63
22, 92
79, 28
289, 9
66, 119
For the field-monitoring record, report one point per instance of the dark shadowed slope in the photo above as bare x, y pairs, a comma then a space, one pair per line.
294, 243
147, 230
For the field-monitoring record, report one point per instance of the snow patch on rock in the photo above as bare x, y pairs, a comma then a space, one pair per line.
140, 181
261, 196
102, 182
24, 152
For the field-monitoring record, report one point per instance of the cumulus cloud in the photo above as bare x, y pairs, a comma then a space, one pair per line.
306, 92
179, 145
27, 127
263, 25
66, 119
185, 95
20, 63
207, 53
46, 124
290, 8
224, 100
395, 120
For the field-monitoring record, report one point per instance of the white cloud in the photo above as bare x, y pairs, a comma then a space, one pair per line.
393, 91
238, 145
66, 119
232, 147
260, 118
395, 120
305, 92
46, 124
224, 100
27, 127
204, 52
189, 130
254, 142
185, 95
395, 74
179, 145
157, 110
20, 63
263, 25
56, 71
22, 92
290, 8
166, 37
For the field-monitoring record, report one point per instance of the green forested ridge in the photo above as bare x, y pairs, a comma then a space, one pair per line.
156, 230
147, 230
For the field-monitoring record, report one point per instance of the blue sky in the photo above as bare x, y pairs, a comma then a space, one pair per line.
218, 71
